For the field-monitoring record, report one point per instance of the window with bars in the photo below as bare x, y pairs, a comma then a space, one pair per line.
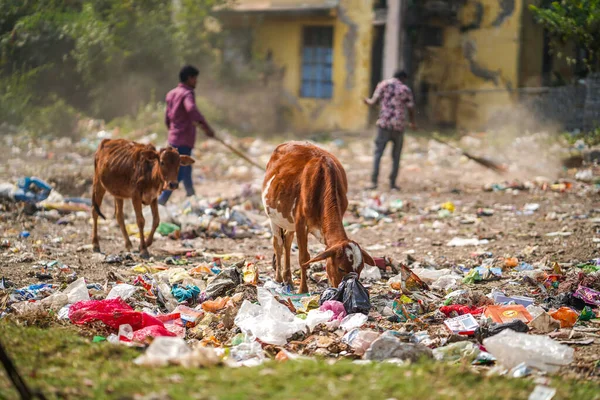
317, 61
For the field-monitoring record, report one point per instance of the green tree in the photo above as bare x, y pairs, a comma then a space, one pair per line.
576, 21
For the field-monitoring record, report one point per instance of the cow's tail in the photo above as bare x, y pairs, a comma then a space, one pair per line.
95, 185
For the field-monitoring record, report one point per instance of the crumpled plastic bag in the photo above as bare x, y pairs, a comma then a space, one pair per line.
351, 293
122, 290
272, 322
113, 313
339, 312
227, 279
169, 350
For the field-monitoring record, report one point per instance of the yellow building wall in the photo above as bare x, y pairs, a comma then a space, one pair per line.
352, 23
483, 59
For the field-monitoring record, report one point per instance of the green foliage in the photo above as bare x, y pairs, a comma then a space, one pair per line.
591, 138
106, 58
56, 119
576, 21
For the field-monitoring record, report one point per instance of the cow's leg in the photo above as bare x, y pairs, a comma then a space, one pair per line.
304, 255
121, 221
137, 207
155, 221
278, 237
98, 192
287, 270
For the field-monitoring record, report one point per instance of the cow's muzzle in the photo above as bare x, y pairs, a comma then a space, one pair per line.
173, 185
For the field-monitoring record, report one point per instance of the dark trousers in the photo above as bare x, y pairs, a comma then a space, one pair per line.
185, 175
383, 137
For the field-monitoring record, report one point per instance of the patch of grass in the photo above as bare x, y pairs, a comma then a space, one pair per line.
64, 365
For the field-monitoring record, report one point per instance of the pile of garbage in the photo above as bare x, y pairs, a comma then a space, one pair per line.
205, 313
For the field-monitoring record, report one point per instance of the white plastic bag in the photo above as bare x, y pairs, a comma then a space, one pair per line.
123, 290
353, 321
77, 291
513, 348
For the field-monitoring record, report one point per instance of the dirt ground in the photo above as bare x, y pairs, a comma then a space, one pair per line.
418, 234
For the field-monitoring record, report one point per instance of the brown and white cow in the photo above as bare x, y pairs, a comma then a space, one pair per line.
304, 191
135, 171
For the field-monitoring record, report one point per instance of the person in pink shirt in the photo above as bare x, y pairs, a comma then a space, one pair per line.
181, 118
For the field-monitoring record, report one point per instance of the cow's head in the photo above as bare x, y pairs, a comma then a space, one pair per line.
343, 258
169, 163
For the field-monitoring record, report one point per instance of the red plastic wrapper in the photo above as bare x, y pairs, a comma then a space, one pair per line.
460, 310
113, 312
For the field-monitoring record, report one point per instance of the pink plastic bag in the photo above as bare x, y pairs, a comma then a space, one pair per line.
150, 331
113, 312
339, 312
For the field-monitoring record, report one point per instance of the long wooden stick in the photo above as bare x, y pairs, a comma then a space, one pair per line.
485, 162
238, 153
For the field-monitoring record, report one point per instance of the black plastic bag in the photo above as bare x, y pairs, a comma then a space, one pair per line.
351, 293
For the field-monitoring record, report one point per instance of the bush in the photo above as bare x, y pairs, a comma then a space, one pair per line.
57, 119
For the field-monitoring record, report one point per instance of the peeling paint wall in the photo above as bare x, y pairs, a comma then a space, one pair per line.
352, 25
480, 54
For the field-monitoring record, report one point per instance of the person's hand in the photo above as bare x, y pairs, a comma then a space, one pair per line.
209, 132
413, 126
367, 101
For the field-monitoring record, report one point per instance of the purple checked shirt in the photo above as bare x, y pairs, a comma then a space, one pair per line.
180, 116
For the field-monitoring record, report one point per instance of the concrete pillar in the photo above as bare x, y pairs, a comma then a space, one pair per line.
394, 38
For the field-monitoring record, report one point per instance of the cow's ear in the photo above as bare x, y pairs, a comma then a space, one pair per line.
150, 155
186, 160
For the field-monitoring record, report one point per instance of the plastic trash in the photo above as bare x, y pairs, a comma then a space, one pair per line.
166, 228
447, 283
269, 321
462, 325
513, 348
162, 351
488, 331
113, 312
187, 293
248, 353
337, 307
541, 392
125, 333
503, 314
370, 273
387, 346
77, 291
250, 274
31, 190
215, 305
429, 275
457, 351
544, 323
461, 242
501, 298
590, 296
359, 340
354, 295
535, 310
152, 331
226, 280
316, 317
353, 321
122, 290
566, 316
587, 314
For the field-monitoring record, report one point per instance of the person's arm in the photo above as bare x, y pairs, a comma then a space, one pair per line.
407, 98
167, 119
376, 95
190, 106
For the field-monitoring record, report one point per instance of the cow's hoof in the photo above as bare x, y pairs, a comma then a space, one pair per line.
128, 246
144, 254
97, 249
303, 290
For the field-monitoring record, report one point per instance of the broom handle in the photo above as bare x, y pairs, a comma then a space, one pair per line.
238, 153
448, 144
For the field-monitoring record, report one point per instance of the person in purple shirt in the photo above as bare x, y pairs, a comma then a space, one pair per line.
181, 118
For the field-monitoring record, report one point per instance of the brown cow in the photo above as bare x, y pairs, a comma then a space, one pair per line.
135, 171
304, 191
